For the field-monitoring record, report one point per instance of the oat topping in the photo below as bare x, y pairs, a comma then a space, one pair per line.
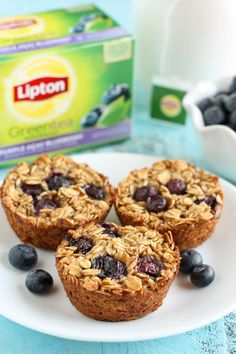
182, 192
53, 190
139, 259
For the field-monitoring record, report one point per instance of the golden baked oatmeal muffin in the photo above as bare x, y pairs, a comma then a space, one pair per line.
44, 199
171, 195
116, 273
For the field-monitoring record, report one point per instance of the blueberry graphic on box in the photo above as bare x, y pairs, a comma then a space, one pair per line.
79, 28
92, 22
92, 118
116, 91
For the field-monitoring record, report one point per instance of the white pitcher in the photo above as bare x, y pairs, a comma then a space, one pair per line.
191, 40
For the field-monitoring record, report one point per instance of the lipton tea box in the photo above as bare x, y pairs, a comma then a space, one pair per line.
66, 82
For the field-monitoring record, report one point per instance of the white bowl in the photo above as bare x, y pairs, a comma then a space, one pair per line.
218, 141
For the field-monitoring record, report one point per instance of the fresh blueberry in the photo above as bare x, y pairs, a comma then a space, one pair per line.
79, 28
45, 203
94, 192
142, 193
58, 180
176, 186
150, 266
110, 267
233, 85
232, 120
109, 230
219, 100
214, 115
202, 275
230, 103
83, 244
156, 204
204, 104
39, 281
189, 259
32, 189
23, 256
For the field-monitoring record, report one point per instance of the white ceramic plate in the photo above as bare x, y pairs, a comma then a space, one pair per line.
185, 307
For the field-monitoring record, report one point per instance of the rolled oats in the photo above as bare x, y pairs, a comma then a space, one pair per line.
44, 213
133, 243
180, 207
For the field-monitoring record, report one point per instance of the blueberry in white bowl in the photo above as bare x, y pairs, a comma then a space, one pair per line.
211, 105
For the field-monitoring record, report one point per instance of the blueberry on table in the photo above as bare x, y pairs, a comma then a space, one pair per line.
202, 275
230, 103
214, 115
39, 282
204, 104
23, 256
189, 259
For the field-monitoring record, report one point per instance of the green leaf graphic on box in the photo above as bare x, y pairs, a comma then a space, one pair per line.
98, 24
115, 112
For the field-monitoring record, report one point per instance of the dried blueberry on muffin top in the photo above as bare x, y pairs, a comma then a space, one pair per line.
46, 198
188, 201
119, 278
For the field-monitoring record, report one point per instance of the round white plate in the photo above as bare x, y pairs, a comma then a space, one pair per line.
185, 307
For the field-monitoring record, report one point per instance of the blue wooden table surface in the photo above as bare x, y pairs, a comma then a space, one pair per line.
150, 138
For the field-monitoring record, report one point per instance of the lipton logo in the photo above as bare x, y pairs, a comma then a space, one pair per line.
40, 89
10, 25
170, 105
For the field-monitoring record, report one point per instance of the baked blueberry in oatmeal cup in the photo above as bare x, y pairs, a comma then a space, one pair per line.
44, 199
116, 273
171, 195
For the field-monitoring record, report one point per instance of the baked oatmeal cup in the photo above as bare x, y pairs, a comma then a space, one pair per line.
171, 195
116, 273
44, 199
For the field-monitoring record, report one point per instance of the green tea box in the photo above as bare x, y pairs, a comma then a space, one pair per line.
66, 82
